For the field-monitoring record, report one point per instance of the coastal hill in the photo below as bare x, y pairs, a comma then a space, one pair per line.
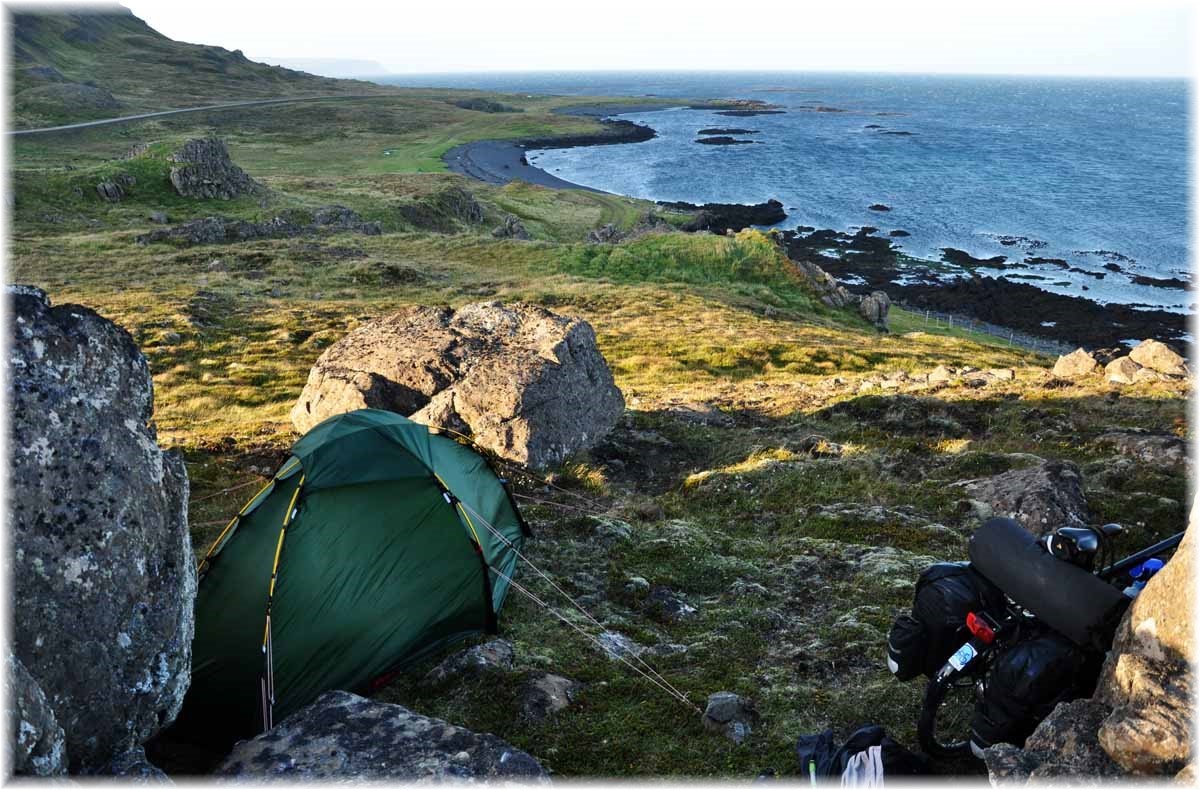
783, 470
103, 62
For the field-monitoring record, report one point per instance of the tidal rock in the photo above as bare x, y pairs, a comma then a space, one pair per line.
721, 217
38, 745
1159, 356
493, 656
102, 560
874, 308
731, 715
526, 383
1042, 498
511, 228
201, 168
1074, 365
545, 695
1121, 370
342, 736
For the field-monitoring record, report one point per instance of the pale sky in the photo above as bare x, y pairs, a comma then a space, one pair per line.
1100, 38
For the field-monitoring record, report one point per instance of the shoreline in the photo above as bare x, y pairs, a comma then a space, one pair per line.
1021, 307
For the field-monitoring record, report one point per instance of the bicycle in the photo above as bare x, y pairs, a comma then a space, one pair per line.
1049, 585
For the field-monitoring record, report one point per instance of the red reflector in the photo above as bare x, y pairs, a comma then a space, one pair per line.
979, 628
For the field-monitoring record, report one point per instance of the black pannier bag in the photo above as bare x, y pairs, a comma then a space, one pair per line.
1026, 682
920, 643
1068, 599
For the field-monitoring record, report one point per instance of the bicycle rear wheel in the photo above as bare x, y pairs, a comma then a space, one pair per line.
944, 727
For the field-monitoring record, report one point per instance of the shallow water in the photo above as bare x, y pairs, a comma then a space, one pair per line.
1074, 165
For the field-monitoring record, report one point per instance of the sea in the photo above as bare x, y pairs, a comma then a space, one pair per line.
1093, 172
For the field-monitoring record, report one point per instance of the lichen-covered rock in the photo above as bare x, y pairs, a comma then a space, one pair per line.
493, 656
103, 571
544, 695
1042, 498
1147, 679
1063, 747
526, 383
202, 169
731, 715
874, 308
1159, 356
133, 766
1151, 448
37, 746
110, 191
1077, 363
342, 736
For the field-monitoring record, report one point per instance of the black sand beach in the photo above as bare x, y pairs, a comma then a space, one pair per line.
498, 162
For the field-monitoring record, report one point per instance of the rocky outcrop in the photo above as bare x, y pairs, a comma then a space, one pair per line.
222, 230
511, 228
1139, 722
525, 383
443, 212
1074, 365
722, 217
1042, 498
605, 234
38, 745
1162, 450
342, 736
202, 169
102, 560
1159, 356
874, 308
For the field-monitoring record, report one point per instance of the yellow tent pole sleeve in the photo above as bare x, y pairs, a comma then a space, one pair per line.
287, 519
460, 509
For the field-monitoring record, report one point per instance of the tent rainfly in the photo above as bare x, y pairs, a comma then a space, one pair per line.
376, 544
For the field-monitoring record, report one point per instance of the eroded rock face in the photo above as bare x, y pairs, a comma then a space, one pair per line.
102, 562
526, 383
342, 736
1062, 748
38, 745
202, 169
1042, 498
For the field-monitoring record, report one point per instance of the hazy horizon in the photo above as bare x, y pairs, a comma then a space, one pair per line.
1101, 39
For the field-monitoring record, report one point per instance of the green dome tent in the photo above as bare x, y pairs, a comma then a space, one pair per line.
377, 543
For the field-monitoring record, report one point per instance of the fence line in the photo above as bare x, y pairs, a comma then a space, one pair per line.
1014, 337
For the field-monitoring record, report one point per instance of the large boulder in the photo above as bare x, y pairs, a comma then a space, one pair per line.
1063, 748
874, 308
38, 746
1121, 371
1074, 365
342, 736
1147, 679
103, 572
525, 383
1159, 356
1042, 497
202, 169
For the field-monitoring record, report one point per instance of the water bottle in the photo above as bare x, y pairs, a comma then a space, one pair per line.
1141, 574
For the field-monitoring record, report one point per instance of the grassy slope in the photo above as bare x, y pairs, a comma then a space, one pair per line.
231, 331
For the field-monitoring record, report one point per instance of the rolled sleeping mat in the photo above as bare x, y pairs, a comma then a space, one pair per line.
1065, 597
